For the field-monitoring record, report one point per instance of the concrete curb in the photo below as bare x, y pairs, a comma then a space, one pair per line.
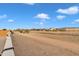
8, 48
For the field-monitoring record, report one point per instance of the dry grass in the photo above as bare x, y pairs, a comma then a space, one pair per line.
3, 33
2, 43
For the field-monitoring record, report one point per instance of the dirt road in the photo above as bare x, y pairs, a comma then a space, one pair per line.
36, 45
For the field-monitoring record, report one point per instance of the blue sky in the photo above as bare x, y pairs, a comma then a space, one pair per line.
39, 15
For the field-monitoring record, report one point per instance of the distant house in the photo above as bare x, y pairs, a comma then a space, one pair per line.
65, 29
71, 29
52, 29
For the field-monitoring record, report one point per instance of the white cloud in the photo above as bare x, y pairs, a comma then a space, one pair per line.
70, 10
41, 23
10, 20
3, 16
30, 3
60, 17
76, 21
42, 16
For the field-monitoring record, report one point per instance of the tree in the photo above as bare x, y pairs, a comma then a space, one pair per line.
4, 29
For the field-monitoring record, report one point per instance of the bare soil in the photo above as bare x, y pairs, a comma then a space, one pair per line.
41, 44
2, 43
3, 35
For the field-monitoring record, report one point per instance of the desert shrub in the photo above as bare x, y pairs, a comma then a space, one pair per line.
17, 30
11, 31
54, 30
20, 31
37, 29
61, 29
23, 30
27, 31
4, 29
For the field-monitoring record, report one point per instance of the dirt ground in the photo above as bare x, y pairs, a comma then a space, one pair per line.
45, 44
3, 33
65, 36
2, 39
2, 42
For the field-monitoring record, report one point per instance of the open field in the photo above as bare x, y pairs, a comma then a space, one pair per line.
3, 33
46, 43
2, 43
65, 36
2, 39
